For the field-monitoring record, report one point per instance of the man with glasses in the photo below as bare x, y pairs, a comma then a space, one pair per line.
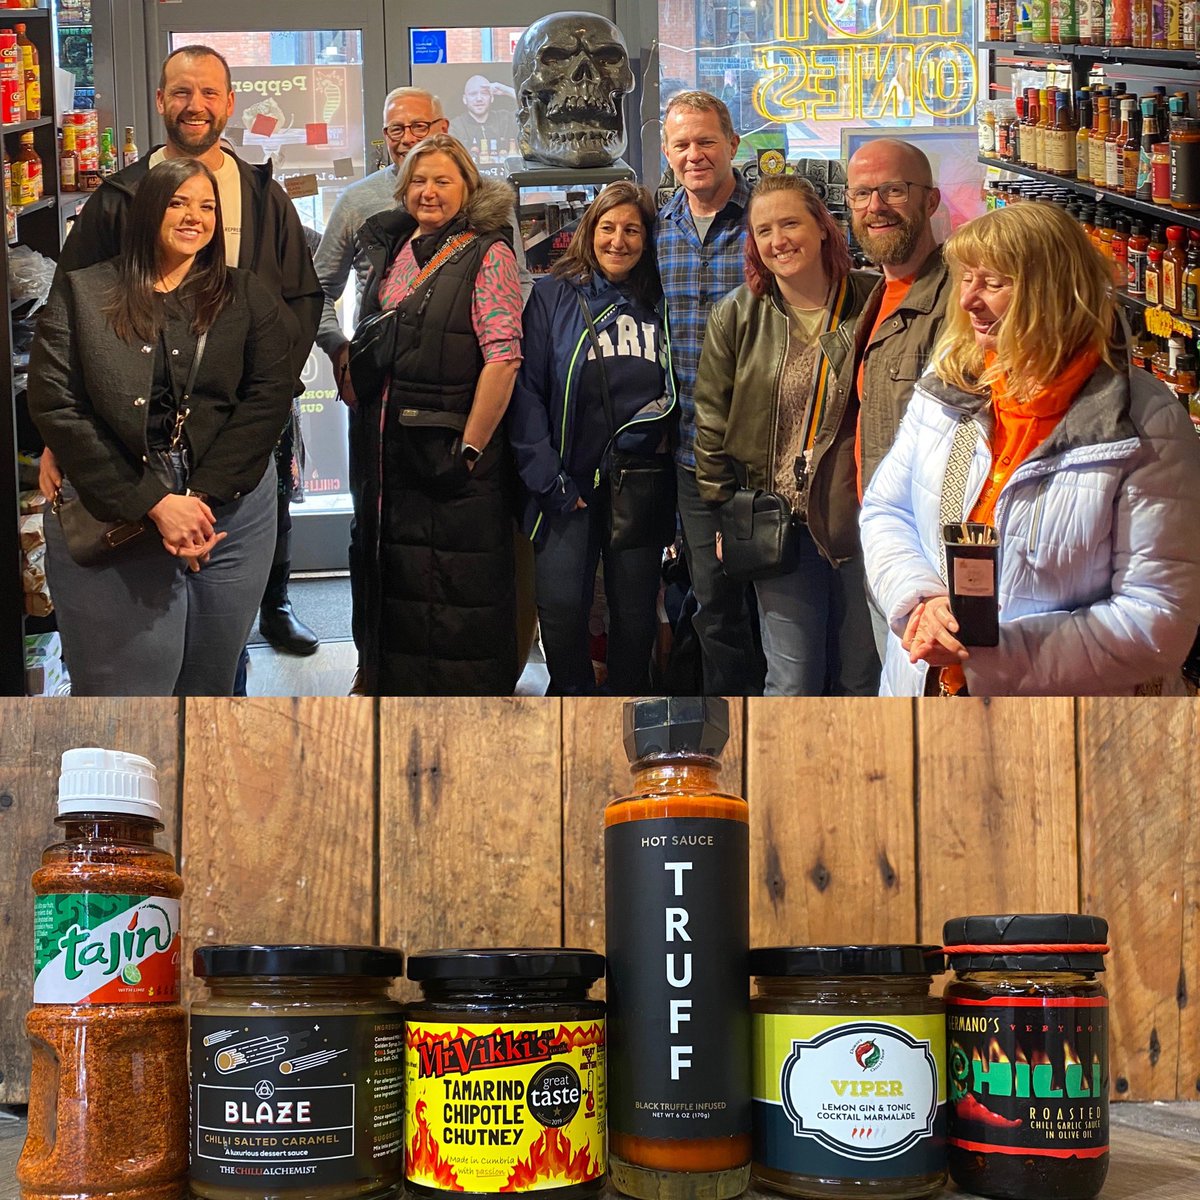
892, 199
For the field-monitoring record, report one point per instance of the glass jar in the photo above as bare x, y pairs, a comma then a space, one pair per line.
504, 1073
849, 1087
1027, 1043
296, 1068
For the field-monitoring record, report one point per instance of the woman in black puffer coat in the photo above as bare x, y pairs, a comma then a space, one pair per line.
433, 365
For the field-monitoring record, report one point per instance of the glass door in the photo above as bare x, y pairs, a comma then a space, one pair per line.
309, 83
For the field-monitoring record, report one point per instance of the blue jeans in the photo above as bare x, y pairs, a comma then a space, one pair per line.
565, 571
143, 624
816, 628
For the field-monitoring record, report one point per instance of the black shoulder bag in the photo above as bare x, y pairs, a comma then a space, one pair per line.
641, 487
90, 541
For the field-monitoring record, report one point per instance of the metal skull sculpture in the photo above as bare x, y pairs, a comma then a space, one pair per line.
570, 73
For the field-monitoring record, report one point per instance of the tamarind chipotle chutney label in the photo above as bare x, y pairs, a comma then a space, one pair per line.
841, 1098
294, 1102
1028, 1075
517, 1107
93, 948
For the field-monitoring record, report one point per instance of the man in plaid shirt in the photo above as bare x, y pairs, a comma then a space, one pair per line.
699, 243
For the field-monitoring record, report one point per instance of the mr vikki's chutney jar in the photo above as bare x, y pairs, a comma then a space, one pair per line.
297, 1073
849, 1084
1027, 1046
504, 1074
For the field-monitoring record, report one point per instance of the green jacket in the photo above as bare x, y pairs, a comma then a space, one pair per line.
897, 356
737, 411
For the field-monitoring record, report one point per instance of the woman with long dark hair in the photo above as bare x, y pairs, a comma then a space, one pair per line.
160, 380
564, 428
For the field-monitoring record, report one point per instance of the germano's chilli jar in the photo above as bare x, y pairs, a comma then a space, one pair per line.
297, 1073
1027, 1039
849, 1090
504, 1074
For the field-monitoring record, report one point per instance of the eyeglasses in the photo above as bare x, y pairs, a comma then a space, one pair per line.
895, 191
419, 129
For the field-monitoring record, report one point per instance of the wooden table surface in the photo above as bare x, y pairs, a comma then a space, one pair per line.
1155, 1154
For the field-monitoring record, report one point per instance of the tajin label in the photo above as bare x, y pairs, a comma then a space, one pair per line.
296, 1102
508, 1108
835, 1098
677, 905
1028, 1075
91, 948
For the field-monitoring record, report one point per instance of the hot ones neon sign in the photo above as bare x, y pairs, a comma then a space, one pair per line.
905, 62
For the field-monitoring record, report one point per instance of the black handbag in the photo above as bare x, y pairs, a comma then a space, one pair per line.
758, 535
641, 487
91, 541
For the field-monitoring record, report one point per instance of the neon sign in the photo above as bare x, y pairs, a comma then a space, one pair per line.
905, 61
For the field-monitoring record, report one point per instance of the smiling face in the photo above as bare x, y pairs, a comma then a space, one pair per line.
985, 297
399, 118
699, 151
788, 239
436, 191
195, 102
619, 241
188, 224
896, 236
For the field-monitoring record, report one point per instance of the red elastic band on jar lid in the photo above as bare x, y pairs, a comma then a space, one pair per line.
1029, 948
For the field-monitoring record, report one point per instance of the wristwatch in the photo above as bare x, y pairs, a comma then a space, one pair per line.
470, 454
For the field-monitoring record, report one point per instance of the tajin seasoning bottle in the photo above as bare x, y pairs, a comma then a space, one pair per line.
108, 1097
677, 903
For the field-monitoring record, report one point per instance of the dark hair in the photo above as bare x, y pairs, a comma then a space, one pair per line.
579, 262
835, 253
130, 306
195, 52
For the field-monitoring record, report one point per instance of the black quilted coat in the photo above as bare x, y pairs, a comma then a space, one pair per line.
438, 539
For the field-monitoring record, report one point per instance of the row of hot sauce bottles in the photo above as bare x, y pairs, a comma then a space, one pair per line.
842, 1075
1145, 148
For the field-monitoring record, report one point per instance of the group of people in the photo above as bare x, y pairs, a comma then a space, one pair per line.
721, 345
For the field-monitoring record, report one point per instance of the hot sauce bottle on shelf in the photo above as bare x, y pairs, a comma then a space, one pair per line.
677, 912
1172, 269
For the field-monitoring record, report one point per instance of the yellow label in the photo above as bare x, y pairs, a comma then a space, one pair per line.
504, 1108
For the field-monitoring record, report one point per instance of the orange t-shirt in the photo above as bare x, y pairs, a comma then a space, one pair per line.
894, 291
1021, 427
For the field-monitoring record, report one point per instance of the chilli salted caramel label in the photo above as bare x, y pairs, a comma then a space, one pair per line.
92, 948
504, 1108
1028, 1075
836, 1097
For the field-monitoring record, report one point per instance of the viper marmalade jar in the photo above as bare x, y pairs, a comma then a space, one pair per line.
1027, 1038
504, 1073
297, 1073
849, 1091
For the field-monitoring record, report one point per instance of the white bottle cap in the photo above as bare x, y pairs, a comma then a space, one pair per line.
108, 781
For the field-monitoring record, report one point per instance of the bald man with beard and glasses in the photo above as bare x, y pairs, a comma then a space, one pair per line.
892, 199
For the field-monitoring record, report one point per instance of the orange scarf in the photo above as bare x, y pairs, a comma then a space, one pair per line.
1021, 427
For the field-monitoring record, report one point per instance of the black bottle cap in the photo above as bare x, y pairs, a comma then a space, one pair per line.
376, 962
817, 961
1056, 932
676, 724
548, 963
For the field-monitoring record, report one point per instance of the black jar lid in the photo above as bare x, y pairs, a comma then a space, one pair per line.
675, 725
547, 963
900, 958
218, 962
1038, 941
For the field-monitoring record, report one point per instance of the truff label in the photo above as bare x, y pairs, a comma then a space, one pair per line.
677, 899
91, 948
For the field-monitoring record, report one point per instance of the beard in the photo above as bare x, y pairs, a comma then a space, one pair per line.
893, 247
193, 141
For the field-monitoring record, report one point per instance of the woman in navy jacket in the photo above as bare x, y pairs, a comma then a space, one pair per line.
561, 435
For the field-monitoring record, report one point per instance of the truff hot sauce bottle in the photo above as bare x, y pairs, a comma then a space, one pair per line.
677, 905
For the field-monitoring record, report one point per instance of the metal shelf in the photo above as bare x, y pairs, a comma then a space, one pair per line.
21, 126
1157, 212
1141, 304
44, 202
1184, 60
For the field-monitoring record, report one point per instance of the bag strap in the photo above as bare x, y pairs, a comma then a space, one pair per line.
440, 259
595, 340
954, 485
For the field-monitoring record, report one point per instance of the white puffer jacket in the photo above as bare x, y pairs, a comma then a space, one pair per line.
1099, 532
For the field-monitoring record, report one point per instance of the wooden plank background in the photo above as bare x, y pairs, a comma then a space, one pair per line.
424, 823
